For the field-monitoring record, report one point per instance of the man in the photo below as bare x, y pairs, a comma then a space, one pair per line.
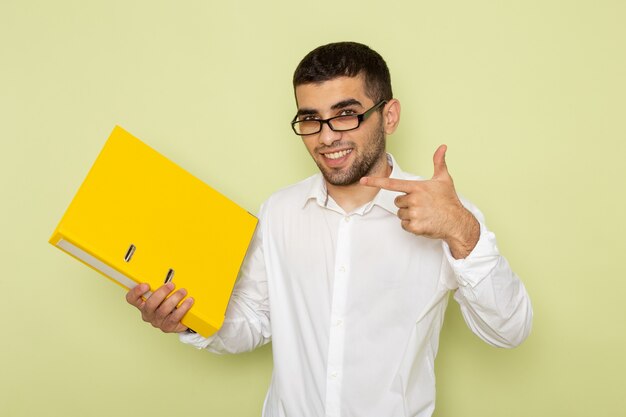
349, 270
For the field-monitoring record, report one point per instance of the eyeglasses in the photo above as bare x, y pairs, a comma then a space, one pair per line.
336, 124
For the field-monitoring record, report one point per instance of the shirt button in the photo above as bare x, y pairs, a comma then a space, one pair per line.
342, 269
333, 375
338, 322
347, 219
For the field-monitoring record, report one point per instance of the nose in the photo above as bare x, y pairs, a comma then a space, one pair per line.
328, 136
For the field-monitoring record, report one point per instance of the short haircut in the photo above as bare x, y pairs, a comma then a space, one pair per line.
349, 59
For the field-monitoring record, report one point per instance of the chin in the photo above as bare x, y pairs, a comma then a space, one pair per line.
342, 178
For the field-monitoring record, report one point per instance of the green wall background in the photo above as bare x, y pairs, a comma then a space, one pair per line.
528, 95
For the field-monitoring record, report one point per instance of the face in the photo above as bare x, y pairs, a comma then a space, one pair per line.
342, 157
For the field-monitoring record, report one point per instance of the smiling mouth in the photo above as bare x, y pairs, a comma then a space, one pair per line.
338, 154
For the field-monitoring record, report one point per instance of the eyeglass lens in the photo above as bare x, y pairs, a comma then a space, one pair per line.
339, 123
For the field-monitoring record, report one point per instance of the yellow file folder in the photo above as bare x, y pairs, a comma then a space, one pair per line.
138, 217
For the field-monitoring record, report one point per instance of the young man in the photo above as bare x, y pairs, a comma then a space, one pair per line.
349, 271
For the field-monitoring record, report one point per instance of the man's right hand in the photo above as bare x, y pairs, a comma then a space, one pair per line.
159, 309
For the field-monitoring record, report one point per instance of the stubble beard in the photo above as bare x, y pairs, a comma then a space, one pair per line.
362, 165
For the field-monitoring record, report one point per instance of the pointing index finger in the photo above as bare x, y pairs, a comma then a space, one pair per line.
392, 184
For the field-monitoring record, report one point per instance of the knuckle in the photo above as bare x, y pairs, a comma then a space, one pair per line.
179, 295
166, 327
153, 303
169, 324
159, 316
149, 303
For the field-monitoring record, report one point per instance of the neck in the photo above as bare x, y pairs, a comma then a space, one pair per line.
350, 197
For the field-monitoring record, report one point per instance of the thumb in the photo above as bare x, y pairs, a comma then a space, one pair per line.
439, 162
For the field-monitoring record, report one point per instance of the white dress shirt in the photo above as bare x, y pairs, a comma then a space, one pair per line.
354, 304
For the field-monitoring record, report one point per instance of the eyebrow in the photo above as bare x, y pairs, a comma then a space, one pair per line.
342, 104
346, 103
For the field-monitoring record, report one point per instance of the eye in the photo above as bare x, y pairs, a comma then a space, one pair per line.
347, 112
309, 118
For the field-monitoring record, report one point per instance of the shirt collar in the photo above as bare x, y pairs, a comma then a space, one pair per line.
384, 199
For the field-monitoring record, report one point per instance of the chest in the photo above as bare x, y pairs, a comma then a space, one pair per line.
313, 253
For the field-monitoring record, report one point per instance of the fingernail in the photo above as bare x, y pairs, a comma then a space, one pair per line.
189, 300
182, 292
170, 286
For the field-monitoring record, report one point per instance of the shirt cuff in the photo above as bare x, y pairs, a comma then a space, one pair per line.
479, 263
195, 340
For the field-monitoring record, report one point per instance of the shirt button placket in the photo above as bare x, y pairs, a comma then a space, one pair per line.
336, 342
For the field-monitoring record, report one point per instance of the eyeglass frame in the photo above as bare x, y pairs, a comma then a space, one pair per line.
360, 117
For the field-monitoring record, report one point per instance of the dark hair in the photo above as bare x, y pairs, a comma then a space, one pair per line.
346, 59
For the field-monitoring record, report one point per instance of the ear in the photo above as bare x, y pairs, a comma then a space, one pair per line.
391, 116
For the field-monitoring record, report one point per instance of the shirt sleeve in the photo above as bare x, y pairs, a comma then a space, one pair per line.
493, 300
247, 321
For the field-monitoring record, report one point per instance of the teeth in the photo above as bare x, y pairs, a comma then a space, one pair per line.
337, 155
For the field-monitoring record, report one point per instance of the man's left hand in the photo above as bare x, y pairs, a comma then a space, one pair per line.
432, 208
